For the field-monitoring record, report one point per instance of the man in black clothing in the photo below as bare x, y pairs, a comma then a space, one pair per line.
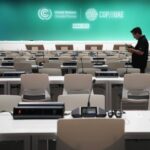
140, 51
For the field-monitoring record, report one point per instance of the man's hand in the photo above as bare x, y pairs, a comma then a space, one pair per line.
131, 50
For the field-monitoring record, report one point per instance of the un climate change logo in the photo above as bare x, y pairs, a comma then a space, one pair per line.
45, 14
91, 14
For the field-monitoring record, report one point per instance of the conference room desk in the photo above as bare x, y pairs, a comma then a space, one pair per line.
68, 69
137, 127
110, 83
6, 67
72, 68
115, 87
65, 68
8, 82
4, 85
35, 68
102, 67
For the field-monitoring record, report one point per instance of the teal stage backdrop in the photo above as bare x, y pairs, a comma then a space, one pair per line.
73, 19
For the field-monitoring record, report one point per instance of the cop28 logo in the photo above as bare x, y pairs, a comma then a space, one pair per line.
91, 14
45, 14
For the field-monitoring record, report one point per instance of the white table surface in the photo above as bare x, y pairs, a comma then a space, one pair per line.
61, 79
137, 125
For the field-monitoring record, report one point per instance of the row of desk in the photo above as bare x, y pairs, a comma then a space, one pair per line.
137, 126
65, 68
137, 123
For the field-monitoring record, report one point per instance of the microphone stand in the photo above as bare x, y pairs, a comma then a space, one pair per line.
121, 110
89, 97
83, 111
82, 66
43, 59
127, 67
97, 58
88, 111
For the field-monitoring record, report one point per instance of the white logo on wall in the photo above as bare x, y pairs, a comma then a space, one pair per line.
45, 14
91, 14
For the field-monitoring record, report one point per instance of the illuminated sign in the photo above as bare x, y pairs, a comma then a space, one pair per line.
91, 14
45, 14
80, 26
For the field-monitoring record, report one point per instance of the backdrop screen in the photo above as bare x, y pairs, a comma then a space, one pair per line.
72, 19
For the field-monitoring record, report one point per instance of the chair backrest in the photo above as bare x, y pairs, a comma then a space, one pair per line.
94, 47
135, 93
73, 101
123, 71
85, 64
34, 81
86, 58
32, 62
90, 134
35, 87
19, 59
42, 60
51, 71
82, 55
8, 102
64, 47
116, 64
65, 58
53, 64
136, 81
78, 83
23, 66
101, 55
119, 46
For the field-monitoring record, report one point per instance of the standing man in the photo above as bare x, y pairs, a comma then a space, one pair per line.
140, 51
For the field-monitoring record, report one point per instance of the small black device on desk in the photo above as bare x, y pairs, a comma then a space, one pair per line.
8, 58
53, 58
71, 63
9, 74
7, 63
88, 111
98, 58
39, 110
106, 74
98, 63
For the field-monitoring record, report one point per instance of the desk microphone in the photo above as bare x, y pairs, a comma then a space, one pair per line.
42, 61
97, 57
97, 54
89, 97
88, 111
82, 66
43, 57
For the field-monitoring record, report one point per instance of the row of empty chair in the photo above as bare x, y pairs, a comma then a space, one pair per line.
35, 87
83, 61
53, 67
91, 133
18, 55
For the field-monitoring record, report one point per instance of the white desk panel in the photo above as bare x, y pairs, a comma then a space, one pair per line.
137, 125
26, 126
